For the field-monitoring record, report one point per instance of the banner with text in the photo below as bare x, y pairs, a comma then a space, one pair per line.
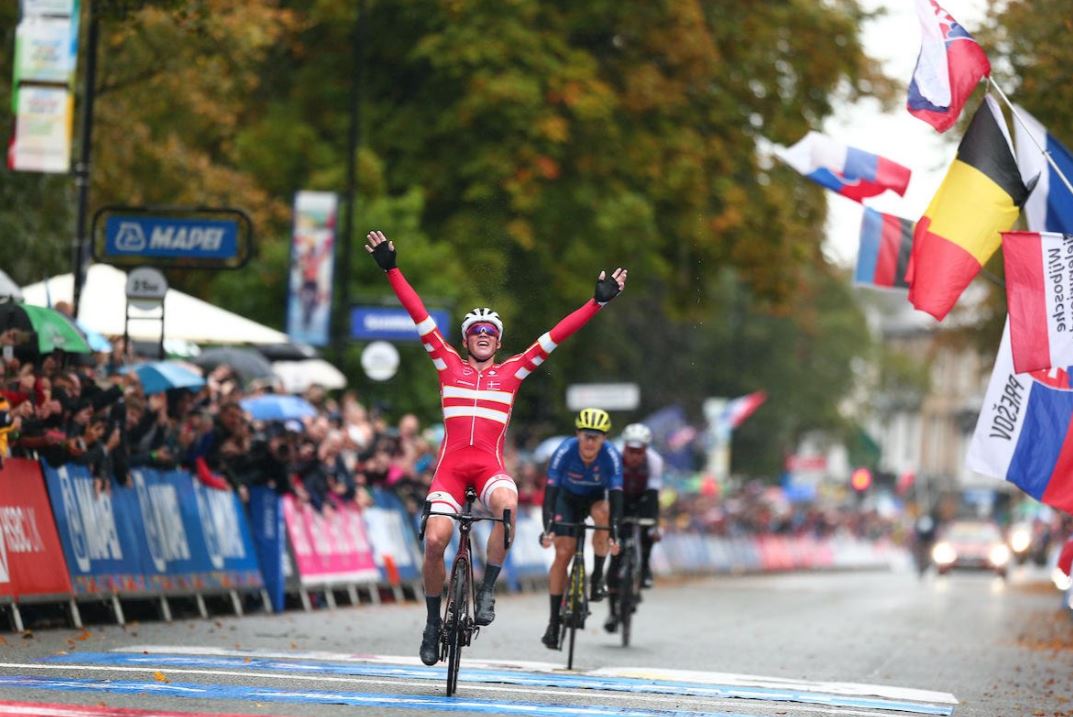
330, 547
31, 557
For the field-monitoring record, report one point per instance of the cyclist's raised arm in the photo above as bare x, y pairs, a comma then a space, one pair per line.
383, 251
607, 288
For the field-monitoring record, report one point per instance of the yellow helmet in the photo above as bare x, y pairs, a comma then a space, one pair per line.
593, 419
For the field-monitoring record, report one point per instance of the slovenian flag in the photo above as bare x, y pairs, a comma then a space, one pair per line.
980, 197
1025, 431
1039, 294
848, 171
738, 409
1050, 208
948, 69
883, 256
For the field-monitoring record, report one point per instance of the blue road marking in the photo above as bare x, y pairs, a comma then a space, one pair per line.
506, 677
360, 699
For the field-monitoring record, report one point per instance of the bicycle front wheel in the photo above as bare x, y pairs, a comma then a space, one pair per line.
578, 606
627, 595
457, 614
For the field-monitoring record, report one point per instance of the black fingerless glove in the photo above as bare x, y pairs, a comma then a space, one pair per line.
606, 289
384, 256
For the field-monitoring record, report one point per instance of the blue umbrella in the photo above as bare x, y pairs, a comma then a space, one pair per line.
161, 376
277, 407
95, 339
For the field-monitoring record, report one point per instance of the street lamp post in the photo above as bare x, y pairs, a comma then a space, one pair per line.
82, 167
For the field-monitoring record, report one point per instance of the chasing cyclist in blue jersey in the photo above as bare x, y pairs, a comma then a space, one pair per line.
584, 478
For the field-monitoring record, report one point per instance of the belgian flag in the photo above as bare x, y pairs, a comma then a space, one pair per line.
980, 197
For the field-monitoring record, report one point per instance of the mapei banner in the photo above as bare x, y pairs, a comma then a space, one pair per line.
31, 558
330, 547
161, 534
196, 538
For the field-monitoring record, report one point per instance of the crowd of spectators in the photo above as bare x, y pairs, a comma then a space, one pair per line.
93, 411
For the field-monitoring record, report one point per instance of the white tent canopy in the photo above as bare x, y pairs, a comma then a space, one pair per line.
104, 298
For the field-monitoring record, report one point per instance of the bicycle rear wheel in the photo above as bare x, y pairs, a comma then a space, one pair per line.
458, 611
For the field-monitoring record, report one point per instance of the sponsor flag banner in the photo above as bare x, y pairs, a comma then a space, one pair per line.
848, 171
312, 266
31, 557
739, 409
43, 127
330, 547
883, 256
96, 531
949, 66
1025, 431
192, 538
1039, 294
270, 542
1050, 207
980, 197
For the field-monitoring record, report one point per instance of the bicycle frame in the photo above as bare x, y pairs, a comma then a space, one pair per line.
574, 608
628, 587
458, 627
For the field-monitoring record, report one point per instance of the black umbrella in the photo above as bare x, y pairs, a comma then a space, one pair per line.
287, 352
248, 364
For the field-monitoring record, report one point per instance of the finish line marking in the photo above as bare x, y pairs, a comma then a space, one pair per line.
634, 698
640, 673
40, 709
362, 699
475, 676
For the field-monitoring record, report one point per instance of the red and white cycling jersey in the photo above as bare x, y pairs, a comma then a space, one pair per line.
477, 404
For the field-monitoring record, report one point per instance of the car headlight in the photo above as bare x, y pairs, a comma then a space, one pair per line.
999, 555
1020, 539
943, 553
1061, 581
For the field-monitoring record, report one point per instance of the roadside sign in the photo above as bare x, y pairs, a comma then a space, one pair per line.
380, 360
175, 236
146, 285
608, 396
387, 323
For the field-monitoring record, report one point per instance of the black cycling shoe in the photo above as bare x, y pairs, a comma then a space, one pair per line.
551, 637
611, 623
646, 577
485, 610
597, 590
430, 644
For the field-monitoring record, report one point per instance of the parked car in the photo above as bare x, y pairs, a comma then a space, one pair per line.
975, 544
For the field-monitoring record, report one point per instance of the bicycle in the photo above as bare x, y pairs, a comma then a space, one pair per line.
457, 629
628, 585
575, 605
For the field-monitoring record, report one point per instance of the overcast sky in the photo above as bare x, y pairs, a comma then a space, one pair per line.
896, 135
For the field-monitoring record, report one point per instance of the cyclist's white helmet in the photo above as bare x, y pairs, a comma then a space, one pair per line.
636, 435
482, 315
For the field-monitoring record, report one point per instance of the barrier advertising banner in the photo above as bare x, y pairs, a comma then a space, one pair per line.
96, 532
330, 547
31, 558
395, 546
194, 538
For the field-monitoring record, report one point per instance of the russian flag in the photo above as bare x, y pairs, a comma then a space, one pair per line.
886, 241
846, 170
1025, 432
948, 69
1050, 206
1039, 294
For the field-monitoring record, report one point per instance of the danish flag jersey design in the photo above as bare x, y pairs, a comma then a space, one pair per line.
477, 404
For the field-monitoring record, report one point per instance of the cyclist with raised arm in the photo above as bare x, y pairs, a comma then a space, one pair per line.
642, 479
584, 478
477, 395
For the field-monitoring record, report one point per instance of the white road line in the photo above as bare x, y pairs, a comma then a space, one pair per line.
632, 697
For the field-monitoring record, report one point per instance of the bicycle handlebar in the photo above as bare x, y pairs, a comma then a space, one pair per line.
643, 522
467, 518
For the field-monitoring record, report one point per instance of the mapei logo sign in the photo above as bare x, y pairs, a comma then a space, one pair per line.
184, 236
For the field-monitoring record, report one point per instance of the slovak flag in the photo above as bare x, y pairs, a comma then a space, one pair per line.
848, 171
948, 69
1023, 434
738, 409
1039, 294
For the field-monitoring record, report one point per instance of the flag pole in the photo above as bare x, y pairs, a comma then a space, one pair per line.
1046, 152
